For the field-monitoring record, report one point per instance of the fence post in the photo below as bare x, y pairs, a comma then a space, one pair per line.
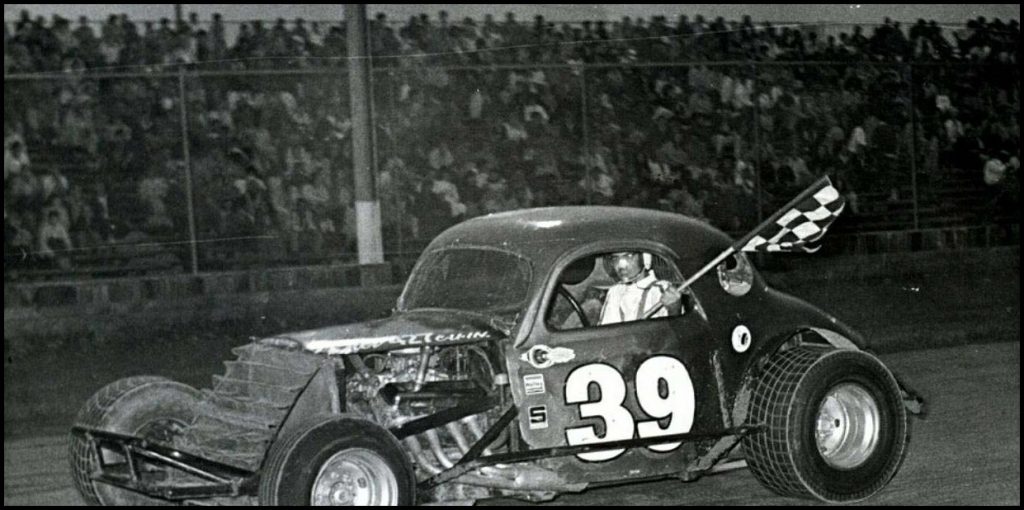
395, 184
586, 134
189, 201
757, 143
913, 146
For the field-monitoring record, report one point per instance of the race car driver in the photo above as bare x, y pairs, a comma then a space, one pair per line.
637, 291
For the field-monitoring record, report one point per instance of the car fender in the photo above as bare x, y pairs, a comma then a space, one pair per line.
785, 317
794, 315
797, 319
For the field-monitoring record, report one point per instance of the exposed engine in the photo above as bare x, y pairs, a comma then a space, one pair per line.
397, 387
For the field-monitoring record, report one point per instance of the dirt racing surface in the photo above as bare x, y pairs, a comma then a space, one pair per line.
966, 452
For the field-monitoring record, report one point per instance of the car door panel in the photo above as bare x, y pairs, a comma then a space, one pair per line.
623, 381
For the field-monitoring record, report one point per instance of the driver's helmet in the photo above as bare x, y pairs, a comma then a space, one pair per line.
627, 266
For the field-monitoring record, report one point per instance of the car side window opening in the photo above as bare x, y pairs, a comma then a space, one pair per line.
610, 288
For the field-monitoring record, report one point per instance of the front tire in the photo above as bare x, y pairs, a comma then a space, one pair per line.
151, 407
836, 426
337, 460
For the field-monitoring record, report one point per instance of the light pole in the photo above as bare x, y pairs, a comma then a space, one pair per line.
368, 224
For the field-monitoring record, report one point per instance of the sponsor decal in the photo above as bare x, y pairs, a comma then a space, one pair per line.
538, 417
533, 384
352, 345
542, 356
741, 339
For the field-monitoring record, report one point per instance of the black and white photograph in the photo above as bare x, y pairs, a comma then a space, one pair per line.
511, 254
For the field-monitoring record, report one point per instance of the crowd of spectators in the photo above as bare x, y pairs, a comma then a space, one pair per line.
479, 117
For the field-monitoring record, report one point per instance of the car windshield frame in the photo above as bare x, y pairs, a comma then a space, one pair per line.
422, 267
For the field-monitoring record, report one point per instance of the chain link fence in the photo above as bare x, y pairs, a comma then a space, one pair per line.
193, 169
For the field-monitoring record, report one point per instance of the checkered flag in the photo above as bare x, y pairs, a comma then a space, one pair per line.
800, 224
795, 226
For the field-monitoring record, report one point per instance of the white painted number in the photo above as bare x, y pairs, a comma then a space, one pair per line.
677, 404
663, 390
618, 423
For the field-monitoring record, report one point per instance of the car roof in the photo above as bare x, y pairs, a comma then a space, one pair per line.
544, 234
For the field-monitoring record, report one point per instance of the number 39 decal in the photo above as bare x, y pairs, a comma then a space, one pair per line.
663, 391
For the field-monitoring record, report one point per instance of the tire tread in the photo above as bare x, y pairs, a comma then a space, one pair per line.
91, 415
768, 452
771, 455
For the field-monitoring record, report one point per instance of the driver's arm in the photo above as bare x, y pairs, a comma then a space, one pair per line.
672, 300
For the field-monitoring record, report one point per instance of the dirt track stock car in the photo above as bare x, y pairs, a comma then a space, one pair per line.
493, 378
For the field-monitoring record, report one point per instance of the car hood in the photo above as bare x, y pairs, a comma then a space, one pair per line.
402, 330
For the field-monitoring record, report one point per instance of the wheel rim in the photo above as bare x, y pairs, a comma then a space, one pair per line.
847, 426
355, 476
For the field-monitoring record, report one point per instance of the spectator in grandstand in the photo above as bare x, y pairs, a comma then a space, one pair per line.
994, 170
86, 44
78, 129
442, 185
203, 46
193, 24
1001, 175
497, 196
218, 39
54, 242
23, 189
240, 210
673, 152
802, 176
52, 183
153, 190
18, 245
111, 41
317, 222
16, 158
56, 204
80, 218
601, 183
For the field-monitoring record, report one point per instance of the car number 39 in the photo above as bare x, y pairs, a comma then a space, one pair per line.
664, 392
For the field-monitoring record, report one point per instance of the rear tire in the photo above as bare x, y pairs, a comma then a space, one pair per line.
836, 426
337, 460
153, 407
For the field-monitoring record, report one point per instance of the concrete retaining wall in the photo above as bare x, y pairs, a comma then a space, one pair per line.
843, 254
268, 302
137, 291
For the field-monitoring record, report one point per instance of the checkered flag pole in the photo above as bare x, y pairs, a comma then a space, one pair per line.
794, 227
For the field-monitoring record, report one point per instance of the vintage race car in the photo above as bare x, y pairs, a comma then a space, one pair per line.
492, 377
